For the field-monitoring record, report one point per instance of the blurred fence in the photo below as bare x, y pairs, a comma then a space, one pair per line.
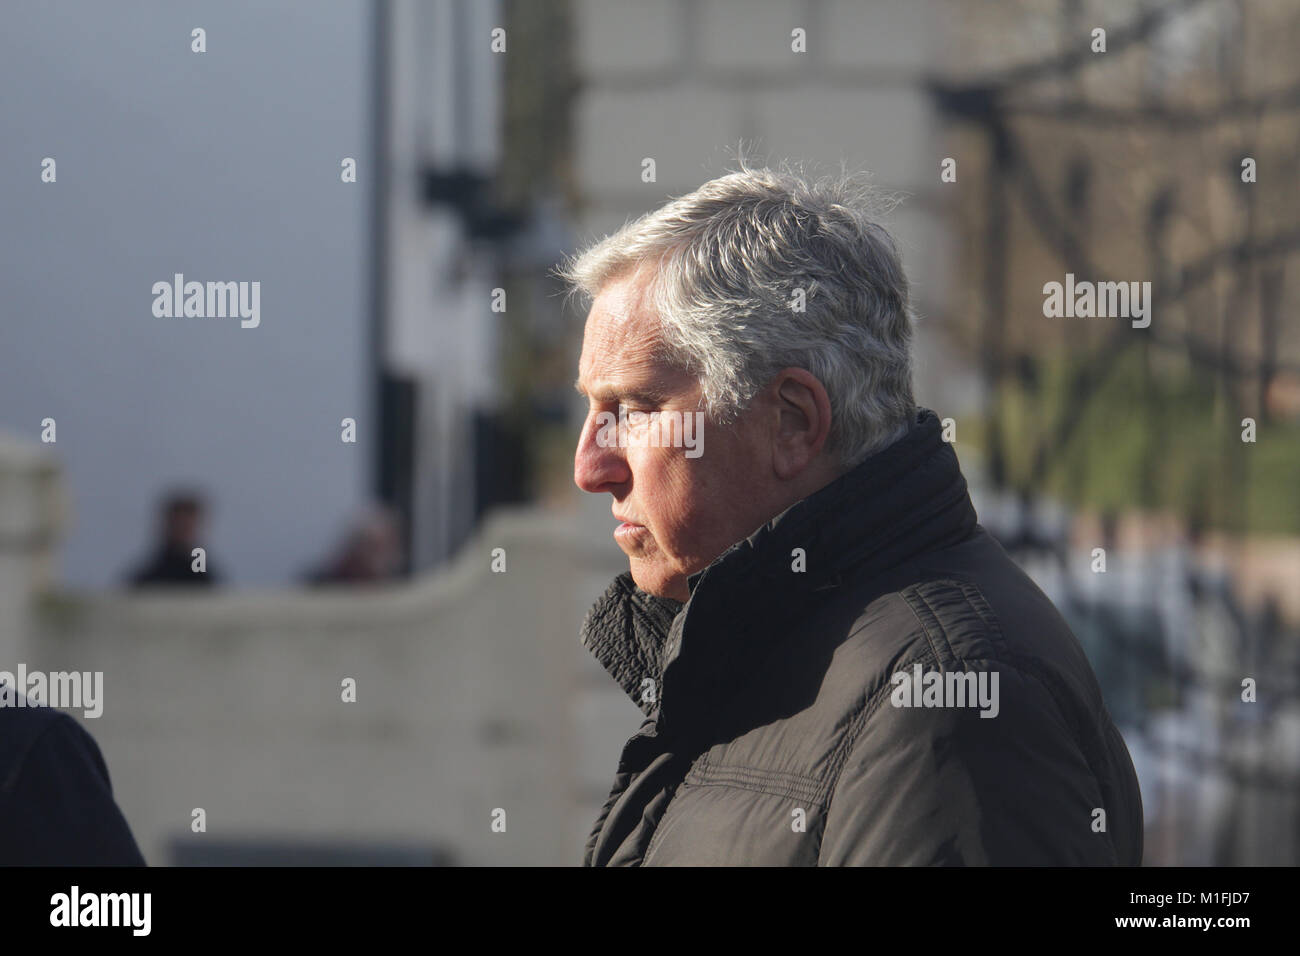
1172, 640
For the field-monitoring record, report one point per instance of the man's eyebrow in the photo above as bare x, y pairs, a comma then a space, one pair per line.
643, 394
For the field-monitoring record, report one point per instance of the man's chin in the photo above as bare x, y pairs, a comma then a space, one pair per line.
660, 585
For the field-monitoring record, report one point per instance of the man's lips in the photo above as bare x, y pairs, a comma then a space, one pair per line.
627, 521
628, 530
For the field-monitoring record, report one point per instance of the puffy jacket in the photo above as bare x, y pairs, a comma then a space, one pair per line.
817, 699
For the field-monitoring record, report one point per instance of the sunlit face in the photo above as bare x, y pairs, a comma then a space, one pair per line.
676, 513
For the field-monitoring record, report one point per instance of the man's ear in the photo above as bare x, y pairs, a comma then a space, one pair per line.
803, 421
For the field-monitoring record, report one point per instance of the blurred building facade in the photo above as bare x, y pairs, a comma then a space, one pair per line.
436, 262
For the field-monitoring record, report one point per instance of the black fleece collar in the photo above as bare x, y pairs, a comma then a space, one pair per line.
903, 501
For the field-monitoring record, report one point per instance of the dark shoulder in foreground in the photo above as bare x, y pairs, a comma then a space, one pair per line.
56, 801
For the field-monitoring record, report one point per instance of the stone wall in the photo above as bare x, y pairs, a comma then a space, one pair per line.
473, 693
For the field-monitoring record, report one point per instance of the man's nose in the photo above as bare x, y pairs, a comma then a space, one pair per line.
597, 464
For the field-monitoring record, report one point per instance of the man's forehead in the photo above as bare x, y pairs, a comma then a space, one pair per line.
621, 336
621, 307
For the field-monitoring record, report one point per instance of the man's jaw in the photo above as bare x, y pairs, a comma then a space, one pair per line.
656, 584
638, 543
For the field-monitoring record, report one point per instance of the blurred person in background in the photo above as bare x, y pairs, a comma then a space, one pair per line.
180, 530
371, 551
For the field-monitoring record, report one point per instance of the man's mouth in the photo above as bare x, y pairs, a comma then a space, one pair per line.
629, 532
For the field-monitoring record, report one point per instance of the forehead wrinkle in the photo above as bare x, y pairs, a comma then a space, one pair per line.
620, 341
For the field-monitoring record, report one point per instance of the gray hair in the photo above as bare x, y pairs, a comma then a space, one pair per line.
728, 261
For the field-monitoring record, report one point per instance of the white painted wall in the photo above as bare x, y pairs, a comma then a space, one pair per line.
222, 166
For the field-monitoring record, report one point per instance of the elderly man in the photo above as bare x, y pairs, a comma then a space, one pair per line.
837, 664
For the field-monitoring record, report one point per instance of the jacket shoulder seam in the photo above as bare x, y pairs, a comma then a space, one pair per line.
936, 632
778, 783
